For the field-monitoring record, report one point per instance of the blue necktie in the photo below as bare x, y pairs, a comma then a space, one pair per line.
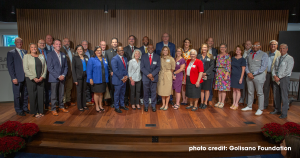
22, 55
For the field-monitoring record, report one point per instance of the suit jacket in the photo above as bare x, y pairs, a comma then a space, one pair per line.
55, 68
29, 66
160, 45
91, 52
119, 70
214, 52
153, 69
109, 54
62, 49
77, 67
128, 52
277, 54
142, 50
197, 67
209, 65
15, 65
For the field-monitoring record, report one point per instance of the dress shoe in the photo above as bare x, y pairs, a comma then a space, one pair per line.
118, 110
124, 107
200, 106
66, 106
86, 108
21, 114
146, 109
112, 105
282, 116
49, 108
275, 112
126, 103
27, 111
89, 103
63, 110
54, 113
204, 106
153, 109
171, 102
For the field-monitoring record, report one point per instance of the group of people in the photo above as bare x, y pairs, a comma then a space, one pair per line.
147, 75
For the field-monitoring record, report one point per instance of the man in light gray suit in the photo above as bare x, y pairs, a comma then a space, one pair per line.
281, 73
256, 64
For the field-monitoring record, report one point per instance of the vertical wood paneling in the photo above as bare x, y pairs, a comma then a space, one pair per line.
225, 26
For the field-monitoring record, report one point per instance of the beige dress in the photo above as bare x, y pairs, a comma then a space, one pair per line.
165, 78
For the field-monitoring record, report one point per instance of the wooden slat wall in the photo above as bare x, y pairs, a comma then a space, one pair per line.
225, 26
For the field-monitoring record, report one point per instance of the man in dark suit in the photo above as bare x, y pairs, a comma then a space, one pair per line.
150, 66
47, 86
103, 47
17, 75
58, 69
49, 42
89, 53
69, 80
213, 51
144, 48
128, 50
165, 42
120, 76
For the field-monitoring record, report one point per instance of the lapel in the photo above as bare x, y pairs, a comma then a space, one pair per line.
117, 56
17, 53
153, 59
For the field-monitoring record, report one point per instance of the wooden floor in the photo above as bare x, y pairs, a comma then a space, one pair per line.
210, 117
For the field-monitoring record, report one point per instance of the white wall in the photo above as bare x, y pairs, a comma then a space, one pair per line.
6, 93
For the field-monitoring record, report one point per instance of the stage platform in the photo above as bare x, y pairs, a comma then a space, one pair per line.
171, 132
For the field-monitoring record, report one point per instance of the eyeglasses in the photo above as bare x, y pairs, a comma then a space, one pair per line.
255, 45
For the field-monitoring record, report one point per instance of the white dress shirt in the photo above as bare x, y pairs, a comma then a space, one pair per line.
134, 70
166, 44
59, 56
20, 52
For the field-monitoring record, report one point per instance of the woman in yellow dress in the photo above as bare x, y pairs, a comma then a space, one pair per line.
165, 78
187, 46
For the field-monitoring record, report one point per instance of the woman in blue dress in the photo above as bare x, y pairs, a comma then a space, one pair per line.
238, 65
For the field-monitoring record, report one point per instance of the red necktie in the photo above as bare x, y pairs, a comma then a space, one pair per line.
253, 55
124, 62
150, 59
43, 52
132, 49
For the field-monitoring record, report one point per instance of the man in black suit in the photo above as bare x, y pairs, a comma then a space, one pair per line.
17, 75
103, 47
144, 48
128, 51
89, 53
109, 54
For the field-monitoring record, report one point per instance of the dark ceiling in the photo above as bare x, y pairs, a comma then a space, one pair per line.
6, 5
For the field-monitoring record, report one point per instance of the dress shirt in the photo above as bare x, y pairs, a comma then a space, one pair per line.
246, 52
264, 63
59, 57
69, 53
151, 55
131, 47
271, 58
103, 53
88, 53
188, 70
166, 44
134, 70
285, 68
209, 51
21, 53
50, 48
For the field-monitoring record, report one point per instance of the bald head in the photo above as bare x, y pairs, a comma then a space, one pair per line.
41, 44
256, 46
120, 50
150, 48
49, 40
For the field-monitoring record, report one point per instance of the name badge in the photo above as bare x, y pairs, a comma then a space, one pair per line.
207, 59
154, 62
214, 57
168, 60
64, 56
41, 57
105, 62
256, 60
86, 59
283, 63
178, 63
193, 66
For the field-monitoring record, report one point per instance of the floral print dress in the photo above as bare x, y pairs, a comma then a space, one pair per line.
186, 56
223, 65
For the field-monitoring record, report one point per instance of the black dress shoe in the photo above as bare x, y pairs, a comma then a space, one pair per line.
118, 110
27, 111
21, 114
282, 116
275, 112
171, 102
200, 106
146, 109
124, 107
153, 109
112, 105
204, 106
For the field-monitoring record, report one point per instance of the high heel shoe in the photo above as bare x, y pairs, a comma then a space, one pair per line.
166, 108
162, 107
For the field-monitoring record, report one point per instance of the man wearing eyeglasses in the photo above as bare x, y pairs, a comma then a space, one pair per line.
256, 64
272, 55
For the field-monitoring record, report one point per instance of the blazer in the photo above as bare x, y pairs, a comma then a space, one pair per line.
62, 49
54, 67
15, 65
214, 52
91, 52
109, 54
195, 70
94, 70
119, 70
128, 52
160, 45
209, 65
153, 69
142, 50
29, 66
77, 67
277, 54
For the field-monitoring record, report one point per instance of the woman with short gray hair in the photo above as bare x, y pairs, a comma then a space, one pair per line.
135, 76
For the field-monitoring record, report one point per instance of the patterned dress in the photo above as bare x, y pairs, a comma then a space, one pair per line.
186, 56
223, 65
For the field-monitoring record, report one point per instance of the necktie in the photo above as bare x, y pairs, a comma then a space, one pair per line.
253, 55
124, 62
22, 55
132, 49
43, 53
150, 59
146, 50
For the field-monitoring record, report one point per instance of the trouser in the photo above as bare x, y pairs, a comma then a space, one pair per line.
81, 90
88, 92
135, 93
258, 83
36, 96
57, 89
111, 88
141, 90
47, 88
244, 92
281, 93
119, 95
268, 84
211, 91
127, 91
149, 87
68, 89
20, 96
